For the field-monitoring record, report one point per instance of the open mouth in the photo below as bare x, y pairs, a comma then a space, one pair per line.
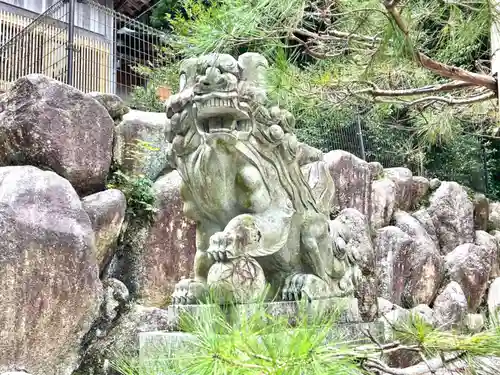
218, 114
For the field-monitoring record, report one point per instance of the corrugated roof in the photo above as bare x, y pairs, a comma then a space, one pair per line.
131, 7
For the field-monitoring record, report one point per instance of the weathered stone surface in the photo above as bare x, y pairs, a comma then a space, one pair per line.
423, 267
122, 341
403, 178
116, 295
481, 211
385, 306
392, 246
52, 125
494, 216
240, 280
383, 202
450, 306
360, 244
140, 144
359, 239
425, 220
113, 104
106, 211
376, 169
353, 180
425, 313
474, 322
494, 300
51, 291
453, 215
470, 266
434, 184
490, 244
155, 257
419, 191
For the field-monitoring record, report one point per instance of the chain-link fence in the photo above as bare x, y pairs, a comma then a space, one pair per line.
79, 42
469, 160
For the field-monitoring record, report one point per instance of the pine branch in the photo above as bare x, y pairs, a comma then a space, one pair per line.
437, 67
445, 87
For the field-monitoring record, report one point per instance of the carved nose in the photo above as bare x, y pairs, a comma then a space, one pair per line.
212, 78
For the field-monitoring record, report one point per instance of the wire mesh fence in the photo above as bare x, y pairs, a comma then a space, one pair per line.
467, 160
79, 42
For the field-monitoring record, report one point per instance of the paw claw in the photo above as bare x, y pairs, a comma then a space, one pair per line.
188, 291
300, 286
223, 247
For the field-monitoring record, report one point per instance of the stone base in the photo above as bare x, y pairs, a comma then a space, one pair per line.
161, 345
342, 310
157, 347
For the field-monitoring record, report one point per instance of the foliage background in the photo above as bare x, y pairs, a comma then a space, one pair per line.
324, 82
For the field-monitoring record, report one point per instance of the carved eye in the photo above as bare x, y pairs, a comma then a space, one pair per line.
182, 81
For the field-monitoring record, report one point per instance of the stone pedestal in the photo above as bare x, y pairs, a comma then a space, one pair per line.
159, 346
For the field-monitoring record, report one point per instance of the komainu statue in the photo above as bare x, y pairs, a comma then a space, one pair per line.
261, 200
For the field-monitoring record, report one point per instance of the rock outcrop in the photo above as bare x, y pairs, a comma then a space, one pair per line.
140, 144
353, 181
51, 125
156, 255
470, 266
113, 104
453, 215
51, 292
106, 211
450, 307
392, 248
422, 268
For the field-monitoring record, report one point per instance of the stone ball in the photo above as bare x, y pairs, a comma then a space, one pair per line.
239, 280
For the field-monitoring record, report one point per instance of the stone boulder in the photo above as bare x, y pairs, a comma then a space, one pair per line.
51, 292
140, 144
359, 242
376, 169
420, 189
353, 181
425, 313
481, 211
450, 306
403, 179
452, 212
425, 220
122, 341
156, 256
393, 248
494, 215
474, 323
470, 266
494, 300
422, 266
383, 202
54, 126
410, 190
113, 104
106, 211
490, 244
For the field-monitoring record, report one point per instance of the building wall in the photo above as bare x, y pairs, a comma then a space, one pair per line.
94, 64
87, 18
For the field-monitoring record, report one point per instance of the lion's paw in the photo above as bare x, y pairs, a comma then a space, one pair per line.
301, 286
188, 292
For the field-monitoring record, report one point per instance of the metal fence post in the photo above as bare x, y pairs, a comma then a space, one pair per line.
361, 141
71, 40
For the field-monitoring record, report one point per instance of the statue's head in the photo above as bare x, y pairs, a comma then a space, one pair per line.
217, 93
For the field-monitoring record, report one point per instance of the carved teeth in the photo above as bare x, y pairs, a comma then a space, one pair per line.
217, 102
